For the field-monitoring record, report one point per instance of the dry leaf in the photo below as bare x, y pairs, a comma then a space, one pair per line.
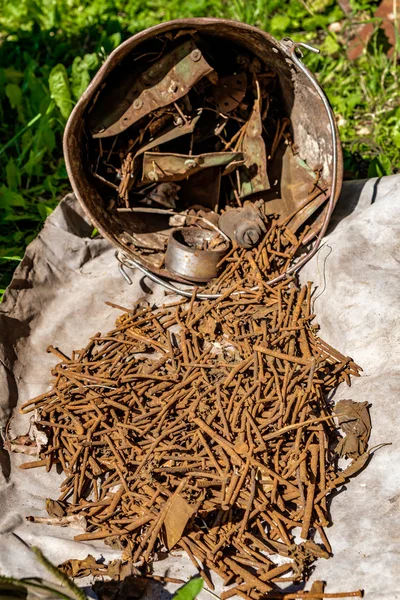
55, 508
208, 326
117, 569
114, 543
314, 550
356, 465
225, 349
356, 424
318, 587
178, 515
304, 554
80, 567
38, 435
22, 444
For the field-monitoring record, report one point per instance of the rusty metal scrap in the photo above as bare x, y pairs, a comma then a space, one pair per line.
173, 133
244, 225
254, 172
225, 98
185, 66
216, 409
230, 91
195, 253
160, 166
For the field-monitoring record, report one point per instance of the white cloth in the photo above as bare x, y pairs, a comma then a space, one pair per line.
58, 296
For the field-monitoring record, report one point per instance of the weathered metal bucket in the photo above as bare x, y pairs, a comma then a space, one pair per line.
314, 132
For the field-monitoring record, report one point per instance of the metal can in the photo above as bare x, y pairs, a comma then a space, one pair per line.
314, 130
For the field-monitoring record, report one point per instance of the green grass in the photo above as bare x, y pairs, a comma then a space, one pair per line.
49, 50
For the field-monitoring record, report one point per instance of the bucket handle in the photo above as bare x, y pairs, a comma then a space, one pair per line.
294, 49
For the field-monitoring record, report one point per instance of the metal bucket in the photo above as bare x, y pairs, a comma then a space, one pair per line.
313, 129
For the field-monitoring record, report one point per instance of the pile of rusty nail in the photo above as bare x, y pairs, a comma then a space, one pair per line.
206, 427
189, 140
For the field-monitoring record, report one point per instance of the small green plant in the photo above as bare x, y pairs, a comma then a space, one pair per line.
190, 590
35, 588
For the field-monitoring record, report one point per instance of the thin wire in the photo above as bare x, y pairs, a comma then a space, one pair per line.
131, 263
121, 270
323, 272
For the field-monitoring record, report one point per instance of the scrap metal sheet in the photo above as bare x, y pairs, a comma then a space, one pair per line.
58, 296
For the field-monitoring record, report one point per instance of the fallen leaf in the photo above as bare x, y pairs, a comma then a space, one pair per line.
386, 11
318, 587
22, 444
355, 422
177, 517
356, 466
314, 550
208, 326
118, 569
54, 508
225, 349
76, 567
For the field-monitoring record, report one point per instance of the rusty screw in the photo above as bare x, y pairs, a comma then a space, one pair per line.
195, 55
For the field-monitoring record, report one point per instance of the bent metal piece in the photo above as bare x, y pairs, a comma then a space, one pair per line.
230, 91
254, 172
160, 166
186, 65
172, 134
243, 225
